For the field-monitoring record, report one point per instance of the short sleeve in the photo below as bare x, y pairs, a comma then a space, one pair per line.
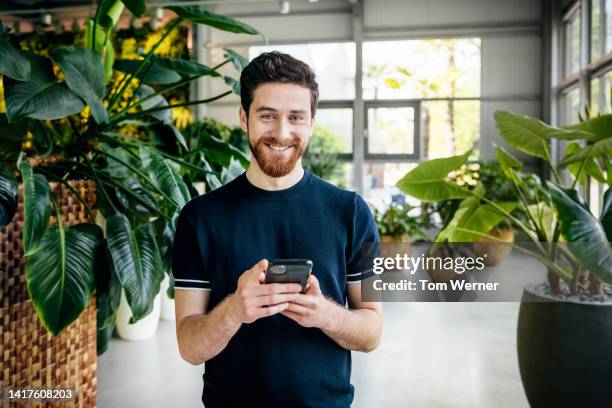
365, 243
187, 267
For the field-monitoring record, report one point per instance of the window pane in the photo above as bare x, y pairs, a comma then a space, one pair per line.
450, 128
606, 88
336, 125
414, 69
333, 63
391, 130
570, 107
608, 25
572, 45
596, 29
595, 95
380, 179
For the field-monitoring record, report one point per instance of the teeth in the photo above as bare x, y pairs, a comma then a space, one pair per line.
279, 148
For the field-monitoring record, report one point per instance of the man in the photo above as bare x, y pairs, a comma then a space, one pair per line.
269, 345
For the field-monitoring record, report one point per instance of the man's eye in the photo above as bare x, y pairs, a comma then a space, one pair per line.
297, 117
266, 116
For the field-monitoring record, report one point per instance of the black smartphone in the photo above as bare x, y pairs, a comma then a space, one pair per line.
289, 271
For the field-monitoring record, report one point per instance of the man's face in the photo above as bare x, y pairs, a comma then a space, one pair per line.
279, 126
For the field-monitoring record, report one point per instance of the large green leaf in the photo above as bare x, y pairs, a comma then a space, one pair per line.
601, 148
108, 296
195, 15
599, 127
41, 96
232, 171
9, 195
584, 233
157, 101
84, 74
589, 168
184, 67
606, 214
219, 151
507, 162
525, 133
475, 217
137, 262
150, 73
12, 63
165, 177
427, 181
232, 83
136, 7
36, 207
61, 275
238, 61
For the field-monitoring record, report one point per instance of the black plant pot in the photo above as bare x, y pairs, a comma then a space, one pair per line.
565, 351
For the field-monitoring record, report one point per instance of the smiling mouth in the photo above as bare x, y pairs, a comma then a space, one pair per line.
278, 148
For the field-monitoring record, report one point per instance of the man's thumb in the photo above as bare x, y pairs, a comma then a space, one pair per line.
259, 267
313, 285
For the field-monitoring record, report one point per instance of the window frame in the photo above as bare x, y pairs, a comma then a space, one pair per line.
415, 104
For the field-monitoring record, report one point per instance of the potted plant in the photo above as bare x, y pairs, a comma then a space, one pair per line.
63, 122
564, 331
395, 224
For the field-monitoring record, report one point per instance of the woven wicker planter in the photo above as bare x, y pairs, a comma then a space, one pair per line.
31, 357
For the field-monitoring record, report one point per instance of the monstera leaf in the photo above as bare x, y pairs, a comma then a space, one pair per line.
36, 207
41, 96
137, 262
585, 234
61, 275
427, 181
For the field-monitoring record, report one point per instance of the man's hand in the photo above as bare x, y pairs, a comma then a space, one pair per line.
253, 300
311, 309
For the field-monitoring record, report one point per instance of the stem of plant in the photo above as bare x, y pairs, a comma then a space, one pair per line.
74, 192
99, 183
141, 174
128, 77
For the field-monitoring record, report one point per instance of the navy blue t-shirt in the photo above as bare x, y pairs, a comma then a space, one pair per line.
274, 362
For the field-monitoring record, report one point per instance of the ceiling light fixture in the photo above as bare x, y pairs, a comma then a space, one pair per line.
284, 7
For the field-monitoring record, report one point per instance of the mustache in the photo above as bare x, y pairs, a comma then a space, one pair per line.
271, 140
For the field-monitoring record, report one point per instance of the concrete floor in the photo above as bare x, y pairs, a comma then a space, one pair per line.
432, 355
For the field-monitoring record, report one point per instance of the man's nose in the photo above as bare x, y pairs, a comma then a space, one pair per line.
284, 130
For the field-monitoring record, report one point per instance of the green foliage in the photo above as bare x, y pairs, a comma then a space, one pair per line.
550, 213
80, 119
321, 157
397, 222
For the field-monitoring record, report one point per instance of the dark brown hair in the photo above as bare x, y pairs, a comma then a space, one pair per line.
277, 67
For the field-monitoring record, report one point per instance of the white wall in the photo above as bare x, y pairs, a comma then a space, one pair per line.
510, 32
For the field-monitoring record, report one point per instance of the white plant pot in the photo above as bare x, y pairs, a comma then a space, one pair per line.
143, 329
167, 304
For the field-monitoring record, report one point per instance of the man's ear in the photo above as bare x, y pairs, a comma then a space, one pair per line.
244, 122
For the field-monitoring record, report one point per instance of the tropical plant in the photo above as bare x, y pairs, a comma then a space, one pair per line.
210, 145
63, 121
559, 214
397, 222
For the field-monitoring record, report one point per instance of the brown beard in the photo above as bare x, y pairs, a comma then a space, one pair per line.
274, 167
